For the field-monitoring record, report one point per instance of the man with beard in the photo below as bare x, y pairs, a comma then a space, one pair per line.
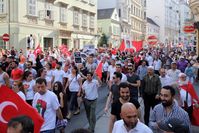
130, 122
188, 96
116, 106
168, 108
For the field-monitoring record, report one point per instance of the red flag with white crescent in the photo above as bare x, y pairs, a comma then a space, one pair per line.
38, 50
12, 105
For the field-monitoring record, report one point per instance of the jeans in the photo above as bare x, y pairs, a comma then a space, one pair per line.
90, 106
73, 105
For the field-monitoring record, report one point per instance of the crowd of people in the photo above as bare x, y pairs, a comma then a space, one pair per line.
56, 85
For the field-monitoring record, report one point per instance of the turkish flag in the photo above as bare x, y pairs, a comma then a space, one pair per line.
190, 89
98, 70
114, 51
38, 50
137, 45
122, 46
11, 105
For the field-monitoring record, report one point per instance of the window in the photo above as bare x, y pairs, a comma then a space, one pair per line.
48, 11
32, 7
63, 17
2, 6
76, 17
84, 20
92, 18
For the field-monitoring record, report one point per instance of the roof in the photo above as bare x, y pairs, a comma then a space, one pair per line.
149, 20
105, 13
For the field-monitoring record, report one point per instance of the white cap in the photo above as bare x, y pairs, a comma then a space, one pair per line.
150, 67
182, 74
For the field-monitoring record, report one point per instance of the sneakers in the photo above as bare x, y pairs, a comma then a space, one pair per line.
77, 112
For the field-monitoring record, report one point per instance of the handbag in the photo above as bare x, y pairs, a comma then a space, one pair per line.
60, 124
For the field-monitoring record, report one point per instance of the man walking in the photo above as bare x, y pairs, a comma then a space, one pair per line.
47, 104
90, 91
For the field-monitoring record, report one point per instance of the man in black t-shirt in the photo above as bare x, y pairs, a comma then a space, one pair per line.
134, 82
116, 106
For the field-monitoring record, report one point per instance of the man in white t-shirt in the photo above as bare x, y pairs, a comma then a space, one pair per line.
173, 72
164, 78
59, 74
111, 70
47, 104
90, 90
130, 122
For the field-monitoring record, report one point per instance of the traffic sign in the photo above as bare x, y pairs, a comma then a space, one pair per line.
6, 37
152, 40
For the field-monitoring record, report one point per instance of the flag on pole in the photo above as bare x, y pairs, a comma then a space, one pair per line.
12, 105
137, 45
37, 51
122, 46
98, 70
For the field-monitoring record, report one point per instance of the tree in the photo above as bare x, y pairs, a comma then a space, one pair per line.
103, 40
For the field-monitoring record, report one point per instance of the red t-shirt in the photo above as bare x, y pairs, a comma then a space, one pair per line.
16, 74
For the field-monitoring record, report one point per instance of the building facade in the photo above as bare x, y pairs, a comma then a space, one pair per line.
166, 15
185, 20
194, 5
138, 19
49, 22
152, 29
131, 14
109, 23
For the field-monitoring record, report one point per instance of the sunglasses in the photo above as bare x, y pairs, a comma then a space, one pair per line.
130, 68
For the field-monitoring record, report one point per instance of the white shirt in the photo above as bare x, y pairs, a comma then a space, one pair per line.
111, 70
173, 74
157, 64
139, 128
46, 105
73, 83
165, 80
124, 78
150, 60
91, 89
183, 97
59, 75
29, 90
22, 95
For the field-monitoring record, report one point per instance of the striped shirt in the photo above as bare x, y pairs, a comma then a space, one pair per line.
159, 114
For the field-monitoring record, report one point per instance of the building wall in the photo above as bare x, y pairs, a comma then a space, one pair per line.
138, 20
42, 26
153, 30
157, 13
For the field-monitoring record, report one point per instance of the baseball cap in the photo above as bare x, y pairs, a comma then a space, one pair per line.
173, 125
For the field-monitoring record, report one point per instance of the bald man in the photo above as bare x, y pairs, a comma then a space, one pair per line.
130, 122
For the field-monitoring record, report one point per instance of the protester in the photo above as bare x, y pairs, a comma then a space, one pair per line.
90, 93
4, 77
130, 121
20, 124
18, 88
47, 105
168, 108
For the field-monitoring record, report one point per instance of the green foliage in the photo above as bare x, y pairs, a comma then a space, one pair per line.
103, 40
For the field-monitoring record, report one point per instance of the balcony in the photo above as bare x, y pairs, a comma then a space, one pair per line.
194, 5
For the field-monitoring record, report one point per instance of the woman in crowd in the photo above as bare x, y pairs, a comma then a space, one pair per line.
58, 90
49, 70
74, 84
29, 86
